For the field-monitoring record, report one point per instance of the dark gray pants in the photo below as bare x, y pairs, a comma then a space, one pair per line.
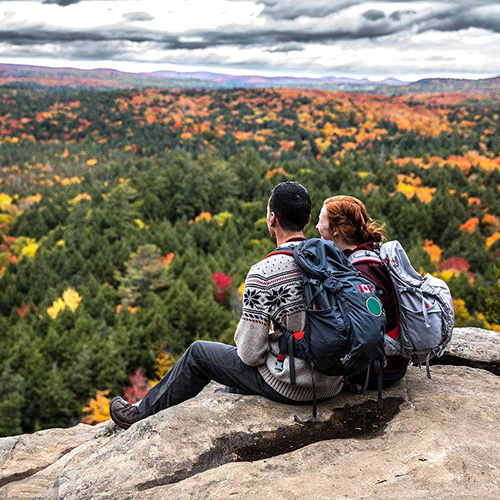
202, 362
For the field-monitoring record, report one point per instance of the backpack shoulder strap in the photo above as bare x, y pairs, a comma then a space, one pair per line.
279, 252
362, 256
399, 265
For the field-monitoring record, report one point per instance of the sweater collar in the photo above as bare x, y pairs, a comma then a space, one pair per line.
292, 242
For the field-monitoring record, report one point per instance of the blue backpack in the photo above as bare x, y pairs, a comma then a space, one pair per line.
345, 320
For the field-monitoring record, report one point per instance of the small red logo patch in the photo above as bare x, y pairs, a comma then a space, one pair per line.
365, 288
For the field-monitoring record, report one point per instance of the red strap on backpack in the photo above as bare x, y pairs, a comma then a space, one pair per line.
279, 252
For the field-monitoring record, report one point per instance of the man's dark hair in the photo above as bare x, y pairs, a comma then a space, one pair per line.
291, 203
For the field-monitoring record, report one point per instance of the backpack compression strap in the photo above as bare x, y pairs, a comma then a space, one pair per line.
286, 348
367, 256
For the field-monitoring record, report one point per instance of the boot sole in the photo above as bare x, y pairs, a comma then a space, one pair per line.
119, 423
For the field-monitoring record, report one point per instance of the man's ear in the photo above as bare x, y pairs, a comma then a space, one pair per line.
272, 219
308, 220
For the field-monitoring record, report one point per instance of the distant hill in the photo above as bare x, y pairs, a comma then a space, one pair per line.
104, 78
482, 86
276, 81
110, 78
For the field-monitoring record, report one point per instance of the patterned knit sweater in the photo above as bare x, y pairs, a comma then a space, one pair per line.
273, 290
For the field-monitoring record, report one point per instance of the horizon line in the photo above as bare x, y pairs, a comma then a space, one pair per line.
229, 73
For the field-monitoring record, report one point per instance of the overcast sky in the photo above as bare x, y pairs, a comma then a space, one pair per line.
377, 39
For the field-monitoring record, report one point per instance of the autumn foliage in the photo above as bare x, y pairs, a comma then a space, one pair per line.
129, 219
97, 409
222, 282
138, 387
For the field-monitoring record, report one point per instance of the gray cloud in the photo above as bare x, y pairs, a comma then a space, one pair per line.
8, 15
461, 19
286, 47
62, 3
97, 51
138, 16
398, 14
451, 18
315, 64
282, 43
118, 51
39, 35
272, 37
289, 10
440, 58
373, 15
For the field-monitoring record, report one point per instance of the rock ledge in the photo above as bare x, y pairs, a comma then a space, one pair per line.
434, 439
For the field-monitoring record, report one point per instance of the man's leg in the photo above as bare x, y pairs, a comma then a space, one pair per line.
202, 362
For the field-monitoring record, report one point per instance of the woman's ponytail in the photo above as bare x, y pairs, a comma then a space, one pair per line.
348, 216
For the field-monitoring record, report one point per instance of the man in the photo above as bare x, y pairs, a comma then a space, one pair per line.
273, 291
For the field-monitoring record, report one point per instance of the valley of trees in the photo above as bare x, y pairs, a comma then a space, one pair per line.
129, 219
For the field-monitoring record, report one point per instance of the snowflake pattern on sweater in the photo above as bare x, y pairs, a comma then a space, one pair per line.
273, 296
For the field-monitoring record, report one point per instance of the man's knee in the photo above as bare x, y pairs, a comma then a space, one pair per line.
199, 346
206, 349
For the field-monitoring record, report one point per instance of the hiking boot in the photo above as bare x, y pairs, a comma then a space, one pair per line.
123, 414
228, 390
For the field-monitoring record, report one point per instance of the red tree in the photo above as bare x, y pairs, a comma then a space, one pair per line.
222, 282
454, 263
138, 387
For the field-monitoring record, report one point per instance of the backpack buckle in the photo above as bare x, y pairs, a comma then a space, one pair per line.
279, 362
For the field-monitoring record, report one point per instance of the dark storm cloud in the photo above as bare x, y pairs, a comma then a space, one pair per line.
373, 15
449, 18
289, 10
463, 19
39, 35
279, 37
137, 16
272, 37
187, 40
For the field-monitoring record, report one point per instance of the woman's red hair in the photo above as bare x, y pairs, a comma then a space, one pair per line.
348, 216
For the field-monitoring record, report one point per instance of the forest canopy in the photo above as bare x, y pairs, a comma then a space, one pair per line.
129, 219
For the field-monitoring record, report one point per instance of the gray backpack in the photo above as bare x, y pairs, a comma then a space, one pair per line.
426, 314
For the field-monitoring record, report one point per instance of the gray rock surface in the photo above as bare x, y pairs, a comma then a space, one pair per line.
474, 347
434, 439
25, 455
443, 444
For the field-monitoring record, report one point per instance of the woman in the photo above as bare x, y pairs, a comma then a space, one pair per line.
345, 221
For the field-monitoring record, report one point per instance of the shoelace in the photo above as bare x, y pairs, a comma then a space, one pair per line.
130, 411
